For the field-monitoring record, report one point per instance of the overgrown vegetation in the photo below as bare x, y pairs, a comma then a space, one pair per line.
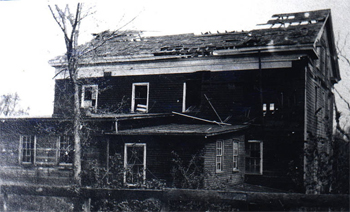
318, 166
127, 205
188, 175
341, 170
99, 176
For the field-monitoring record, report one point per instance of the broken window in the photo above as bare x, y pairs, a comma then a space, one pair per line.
254, 157
134, 163
219, 155
66, 150
140, 97
191, 96
89, 97
235, 156
26, 149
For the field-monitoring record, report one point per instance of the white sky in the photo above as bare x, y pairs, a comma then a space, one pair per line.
30, 37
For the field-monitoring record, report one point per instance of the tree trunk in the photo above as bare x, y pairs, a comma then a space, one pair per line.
77, 143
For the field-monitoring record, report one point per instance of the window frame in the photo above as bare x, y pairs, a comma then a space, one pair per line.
44, 159
184, 93
235, 155
94, 89
36, 156
22, 149
219, 156
70, 141
133, 98
126, 145
261, 157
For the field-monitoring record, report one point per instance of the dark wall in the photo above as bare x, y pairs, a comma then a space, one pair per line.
234, 94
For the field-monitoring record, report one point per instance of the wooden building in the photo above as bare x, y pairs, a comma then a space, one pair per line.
235, 107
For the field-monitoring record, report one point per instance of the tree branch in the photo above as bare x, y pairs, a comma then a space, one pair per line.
346, 102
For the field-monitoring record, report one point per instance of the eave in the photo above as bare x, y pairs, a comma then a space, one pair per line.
309, 48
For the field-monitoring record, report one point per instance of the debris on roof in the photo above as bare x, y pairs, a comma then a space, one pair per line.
292, 29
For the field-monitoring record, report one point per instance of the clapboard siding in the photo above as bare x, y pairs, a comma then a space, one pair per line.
227, 176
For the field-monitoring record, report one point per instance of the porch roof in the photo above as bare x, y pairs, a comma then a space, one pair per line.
184, 129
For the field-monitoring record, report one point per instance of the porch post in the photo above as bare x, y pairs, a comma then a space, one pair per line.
87, 205
5, 203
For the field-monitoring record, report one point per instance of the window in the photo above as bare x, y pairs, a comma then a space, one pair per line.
27, 149
140, 97
89, 97
316, 99
66, 150
191, 96
254, 157
134, 163
46, 150
219, 155
269, 108
235, 156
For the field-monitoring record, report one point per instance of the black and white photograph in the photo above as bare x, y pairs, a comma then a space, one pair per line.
152, 105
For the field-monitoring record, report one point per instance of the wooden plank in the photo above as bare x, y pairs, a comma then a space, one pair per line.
197, 64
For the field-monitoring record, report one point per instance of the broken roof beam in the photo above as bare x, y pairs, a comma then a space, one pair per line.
309, 16
200, 119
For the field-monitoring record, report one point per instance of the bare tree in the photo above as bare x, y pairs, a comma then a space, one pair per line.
344, 58
9, 105
69, 23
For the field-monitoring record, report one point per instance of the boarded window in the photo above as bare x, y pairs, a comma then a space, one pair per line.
27, 144
254, 157
89, 97
140, 95
135, 163
219, 155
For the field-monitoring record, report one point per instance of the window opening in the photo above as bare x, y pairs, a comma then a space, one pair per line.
219, 155
191, 95
235, 156
66, 150
140, 97
254, 158
269, 108
89, 97
135, 163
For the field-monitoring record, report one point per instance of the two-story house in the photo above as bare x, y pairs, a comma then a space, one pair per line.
239, 106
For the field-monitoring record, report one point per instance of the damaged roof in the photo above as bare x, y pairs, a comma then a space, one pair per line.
289, 31
284, 29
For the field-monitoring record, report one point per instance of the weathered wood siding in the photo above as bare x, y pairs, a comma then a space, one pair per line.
227, 176
233, 94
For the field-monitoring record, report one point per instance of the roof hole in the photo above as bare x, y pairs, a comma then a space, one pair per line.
306, 15
277, 26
